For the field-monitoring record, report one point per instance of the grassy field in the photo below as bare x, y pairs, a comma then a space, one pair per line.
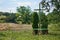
27, 34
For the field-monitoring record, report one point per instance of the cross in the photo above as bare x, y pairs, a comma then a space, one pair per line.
39, 13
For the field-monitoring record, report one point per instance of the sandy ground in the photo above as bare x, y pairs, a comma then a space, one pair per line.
12, 26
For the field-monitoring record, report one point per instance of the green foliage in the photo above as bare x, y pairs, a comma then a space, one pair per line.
53, 17
48, 4
2, 19
44, 23
7, 17
24, 13
35, 21
5, 13
17, 18
11, 18
54, 27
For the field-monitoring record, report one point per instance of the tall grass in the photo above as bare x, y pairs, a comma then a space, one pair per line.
54, 34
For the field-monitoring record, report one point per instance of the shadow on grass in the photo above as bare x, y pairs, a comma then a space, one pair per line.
2, 34
54, 34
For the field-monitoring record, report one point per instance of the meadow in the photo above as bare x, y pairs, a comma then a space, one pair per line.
26, 34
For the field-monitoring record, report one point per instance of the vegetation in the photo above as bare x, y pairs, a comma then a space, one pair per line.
53, 16
25, 13
27, 34
44, 23
50, 22
35, 21
7, 17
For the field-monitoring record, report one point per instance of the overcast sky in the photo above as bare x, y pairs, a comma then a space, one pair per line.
7, 5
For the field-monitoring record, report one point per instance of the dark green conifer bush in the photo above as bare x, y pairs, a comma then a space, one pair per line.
35, 21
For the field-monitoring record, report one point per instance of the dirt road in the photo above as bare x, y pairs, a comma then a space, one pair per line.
13, 26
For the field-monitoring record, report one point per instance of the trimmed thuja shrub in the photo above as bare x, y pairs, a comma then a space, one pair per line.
35, 21
44, 22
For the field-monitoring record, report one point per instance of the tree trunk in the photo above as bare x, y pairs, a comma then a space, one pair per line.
35, 32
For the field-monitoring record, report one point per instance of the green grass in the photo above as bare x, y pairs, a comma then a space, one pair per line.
27, 35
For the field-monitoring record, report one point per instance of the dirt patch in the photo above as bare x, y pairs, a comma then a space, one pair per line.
13, 26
